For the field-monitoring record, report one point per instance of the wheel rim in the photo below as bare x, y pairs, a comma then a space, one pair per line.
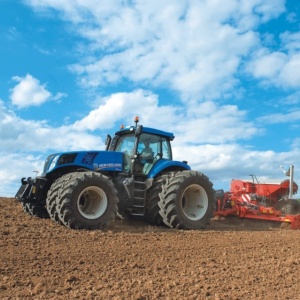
194, 202
92, 202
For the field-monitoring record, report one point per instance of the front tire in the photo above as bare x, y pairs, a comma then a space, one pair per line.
88, 200
187, 201
35, 209
52, 198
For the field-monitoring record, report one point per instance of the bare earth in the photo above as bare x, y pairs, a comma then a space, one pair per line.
230, 259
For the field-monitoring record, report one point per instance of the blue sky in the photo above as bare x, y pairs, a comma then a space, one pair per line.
223, 76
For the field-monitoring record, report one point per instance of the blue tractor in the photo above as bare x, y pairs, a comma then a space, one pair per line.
135, 175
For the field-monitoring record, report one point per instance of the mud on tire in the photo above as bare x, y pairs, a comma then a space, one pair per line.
187, 201
88, 200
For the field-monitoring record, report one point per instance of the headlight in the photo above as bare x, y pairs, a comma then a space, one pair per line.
53, 162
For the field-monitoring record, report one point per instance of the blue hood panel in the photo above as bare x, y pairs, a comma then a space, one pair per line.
102, 160
93, 160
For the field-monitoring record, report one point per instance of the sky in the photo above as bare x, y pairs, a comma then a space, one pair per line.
222, 76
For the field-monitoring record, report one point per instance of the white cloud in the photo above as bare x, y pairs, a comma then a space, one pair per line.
193, 47
14, 166
224, 162
203, 123
290, 41
277, 68
268, 65
30, 92
292, 99
268, 9
280, 68
289, 117
290, 74
188, 56
292, 17
17, 134
211, 123
124, 106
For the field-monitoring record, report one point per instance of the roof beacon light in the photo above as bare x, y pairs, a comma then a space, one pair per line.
136, 120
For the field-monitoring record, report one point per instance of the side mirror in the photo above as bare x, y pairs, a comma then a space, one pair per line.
138, 130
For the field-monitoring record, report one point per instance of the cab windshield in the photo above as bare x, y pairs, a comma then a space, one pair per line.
126, 144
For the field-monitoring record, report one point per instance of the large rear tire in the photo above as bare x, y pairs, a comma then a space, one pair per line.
88, 200
187, 201
152, 209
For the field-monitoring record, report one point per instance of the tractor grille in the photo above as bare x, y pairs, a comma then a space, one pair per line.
67, 159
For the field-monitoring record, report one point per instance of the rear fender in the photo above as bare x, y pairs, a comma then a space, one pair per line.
165, 165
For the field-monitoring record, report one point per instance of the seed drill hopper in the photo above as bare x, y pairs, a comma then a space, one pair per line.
262, 201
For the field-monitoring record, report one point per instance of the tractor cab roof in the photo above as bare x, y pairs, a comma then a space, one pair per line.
129, 129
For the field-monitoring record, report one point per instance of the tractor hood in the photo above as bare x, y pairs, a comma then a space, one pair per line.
92, 160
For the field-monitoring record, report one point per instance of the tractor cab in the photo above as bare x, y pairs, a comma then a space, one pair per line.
143, 147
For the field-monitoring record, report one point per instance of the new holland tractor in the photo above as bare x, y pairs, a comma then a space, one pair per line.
135, 175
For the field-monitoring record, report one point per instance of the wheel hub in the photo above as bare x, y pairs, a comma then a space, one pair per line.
194, 202
92, 202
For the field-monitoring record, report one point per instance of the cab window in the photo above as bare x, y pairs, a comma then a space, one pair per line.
159, 146
126, 144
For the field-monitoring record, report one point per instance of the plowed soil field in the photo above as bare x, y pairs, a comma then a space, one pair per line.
230, 259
